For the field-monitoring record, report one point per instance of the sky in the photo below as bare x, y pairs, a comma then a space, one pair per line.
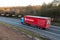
9, 3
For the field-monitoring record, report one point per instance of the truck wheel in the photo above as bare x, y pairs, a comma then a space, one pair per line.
44, 28
38, 27
27, 24
22, 23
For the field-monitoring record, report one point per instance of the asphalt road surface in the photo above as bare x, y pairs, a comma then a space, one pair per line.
52, 33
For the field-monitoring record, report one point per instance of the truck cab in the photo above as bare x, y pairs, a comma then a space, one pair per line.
22, 20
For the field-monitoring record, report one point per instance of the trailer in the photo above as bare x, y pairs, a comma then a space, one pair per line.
40, 22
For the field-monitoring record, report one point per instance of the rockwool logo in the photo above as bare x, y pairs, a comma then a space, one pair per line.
29, 19
48, 22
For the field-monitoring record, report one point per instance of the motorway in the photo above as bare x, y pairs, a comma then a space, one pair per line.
52, 33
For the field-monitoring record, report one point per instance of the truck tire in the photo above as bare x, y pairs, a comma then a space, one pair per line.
44, 28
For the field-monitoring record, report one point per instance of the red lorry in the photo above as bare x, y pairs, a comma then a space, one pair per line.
40, 22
